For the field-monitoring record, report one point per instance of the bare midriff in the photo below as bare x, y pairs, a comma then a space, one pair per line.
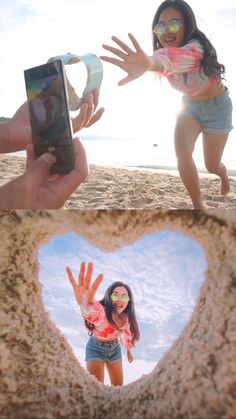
211, 92
105, 341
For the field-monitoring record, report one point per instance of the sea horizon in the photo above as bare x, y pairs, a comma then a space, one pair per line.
140, 154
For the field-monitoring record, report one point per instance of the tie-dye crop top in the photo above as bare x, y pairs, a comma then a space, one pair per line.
103, 329
181, 67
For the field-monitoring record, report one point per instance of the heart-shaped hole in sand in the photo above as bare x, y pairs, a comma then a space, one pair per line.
40, 374
164, 270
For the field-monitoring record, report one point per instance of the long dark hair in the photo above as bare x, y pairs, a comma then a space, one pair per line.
109, 309
209, 62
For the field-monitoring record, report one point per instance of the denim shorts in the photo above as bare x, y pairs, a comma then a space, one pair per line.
108, 352
214, 115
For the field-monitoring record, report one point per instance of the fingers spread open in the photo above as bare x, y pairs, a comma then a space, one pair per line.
115, 51
96, 117
86, 112
88, 275
125, 47
112, 61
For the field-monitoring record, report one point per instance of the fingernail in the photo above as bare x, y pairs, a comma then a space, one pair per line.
49, 158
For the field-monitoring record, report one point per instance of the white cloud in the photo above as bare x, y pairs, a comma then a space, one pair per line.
164, 271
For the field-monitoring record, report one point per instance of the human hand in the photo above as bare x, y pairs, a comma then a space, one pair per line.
36, 189
135, 63
87, 115
129, 356
84, 293
16, 133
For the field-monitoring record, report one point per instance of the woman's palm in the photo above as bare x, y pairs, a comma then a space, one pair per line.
135, 62
83, 290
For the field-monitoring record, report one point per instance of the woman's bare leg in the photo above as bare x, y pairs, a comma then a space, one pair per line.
213, 147
96, 368
115, 372
187, 131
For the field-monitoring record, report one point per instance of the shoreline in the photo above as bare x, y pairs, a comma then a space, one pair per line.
132, 187
156, 167
171, 170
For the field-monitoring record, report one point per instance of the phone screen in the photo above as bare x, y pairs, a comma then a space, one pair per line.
49, 115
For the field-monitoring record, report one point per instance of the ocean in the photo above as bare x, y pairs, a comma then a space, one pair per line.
140, 153
131, 152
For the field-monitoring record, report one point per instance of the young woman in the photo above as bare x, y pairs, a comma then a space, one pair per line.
106, 320
184, 55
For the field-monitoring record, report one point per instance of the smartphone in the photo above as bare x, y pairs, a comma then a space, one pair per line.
49, 114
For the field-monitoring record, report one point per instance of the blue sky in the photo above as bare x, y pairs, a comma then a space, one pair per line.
164, 270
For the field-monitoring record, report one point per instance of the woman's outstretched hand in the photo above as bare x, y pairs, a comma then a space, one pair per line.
84, 292
135, 63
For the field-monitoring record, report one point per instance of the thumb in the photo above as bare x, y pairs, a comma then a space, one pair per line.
39, 169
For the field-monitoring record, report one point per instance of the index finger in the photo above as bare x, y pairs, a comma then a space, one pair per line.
125, 47
95, 117
95, 98
71, 277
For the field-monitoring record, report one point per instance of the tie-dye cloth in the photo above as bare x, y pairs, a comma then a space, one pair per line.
181, 67
103, 329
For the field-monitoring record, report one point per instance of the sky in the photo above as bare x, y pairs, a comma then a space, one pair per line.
32, 31
164, 270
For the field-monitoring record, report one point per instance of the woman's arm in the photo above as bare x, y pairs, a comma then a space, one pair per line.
94, 313
126, 337
180, 60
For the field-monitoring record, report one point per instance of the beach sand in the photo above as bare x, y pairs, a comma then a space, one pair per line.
128, 188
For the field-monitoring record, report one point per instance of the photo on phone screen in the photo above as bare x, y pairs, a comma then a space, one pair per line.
49, 114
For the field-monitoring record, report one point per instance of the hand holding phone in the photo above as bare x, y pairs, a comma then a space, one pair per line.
49, 114
35, 189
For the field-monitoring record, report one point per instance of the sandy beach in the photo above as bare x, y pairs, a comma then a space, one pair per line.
130, 188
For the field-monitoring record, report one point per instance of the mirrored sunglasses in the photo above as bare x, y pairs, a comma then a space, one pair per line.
124, 298
173, 26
